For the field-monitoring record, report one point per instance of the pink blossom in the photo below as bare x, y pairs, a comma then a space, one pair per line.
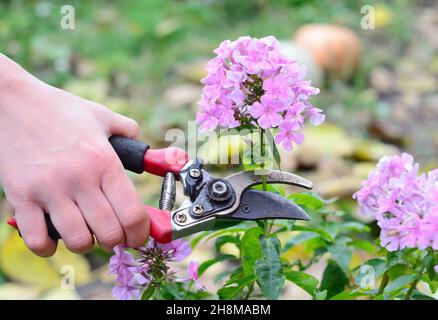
133, 275
287, 136
278, 87
125, 292
181, 249
267, 111
192, 270
121, 260
403, 202
251, 81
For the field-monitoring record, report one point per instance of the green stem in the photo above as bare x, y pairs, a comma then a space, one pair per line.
417, 279
248, 295
384, 283
262, 154
268, 226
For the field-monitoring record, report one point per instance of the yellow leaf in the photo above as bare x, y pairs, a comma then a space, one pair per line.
21, 265
382, 16
60, 294
224, 150
13, 291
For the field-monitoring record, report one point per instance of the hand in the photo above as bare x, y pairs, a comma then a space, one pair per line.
55, 157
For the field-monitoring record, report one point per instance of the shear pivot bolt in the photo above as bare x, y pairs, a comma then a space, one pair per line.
180, 217
198, 209
195, 173
219, 189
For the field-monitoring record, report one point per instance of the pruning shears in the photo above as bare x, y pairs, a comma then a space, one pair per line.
209, 198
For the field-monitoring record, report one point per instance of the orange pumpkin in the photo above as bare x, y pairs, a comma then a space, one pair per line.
336, 49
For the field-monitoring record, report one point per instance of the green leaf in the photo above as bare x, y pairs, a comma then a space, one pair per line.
429, 263
226, 239
208, 263
363, 245
349, 295
198, 238
398, 270
299, 238
225, 231
303, 280
417, 295
342, 254
307, 200
397, 257
269, 270
399, 284
251, 249
148, 292
234, 286
334, 279
321, 295
275, 152
173, 289
353, 226
321, 232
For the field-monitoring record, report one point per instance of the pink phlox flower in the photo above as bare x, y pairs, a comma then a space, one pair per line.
279, 88
121, 260
286, 136
181, 249
125, 292
403, 202
251, 80
192, 270
267, 111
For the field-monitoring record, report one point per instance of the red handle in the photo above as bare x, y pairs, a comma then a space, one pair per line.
12, 222
161, 161
136, 156
160, 225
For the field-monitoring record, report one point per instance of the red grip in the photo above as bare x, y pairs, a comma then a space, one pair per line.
12, 222
161, 161
160, 224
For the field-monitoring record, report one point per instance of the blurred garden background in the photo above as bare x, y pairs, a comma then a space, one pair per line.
379, 90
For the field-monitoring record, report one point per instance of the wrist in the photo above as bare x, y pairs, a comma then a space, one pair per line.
12, 79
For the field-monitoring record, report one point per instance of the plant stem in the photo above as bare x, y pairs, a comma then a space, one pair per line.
262, 154
250, 290
385, 280
418, 274
268, 227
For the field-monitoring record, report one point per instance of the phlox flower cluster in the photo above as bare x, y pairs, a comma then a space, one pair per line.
151, 267
251, 82
404, 203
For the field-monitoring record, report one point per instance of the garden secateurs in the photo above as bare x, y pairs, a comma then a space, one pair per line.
209, 198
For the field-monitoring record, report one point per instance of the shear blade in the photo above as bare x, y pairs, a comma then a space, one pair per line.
256, 205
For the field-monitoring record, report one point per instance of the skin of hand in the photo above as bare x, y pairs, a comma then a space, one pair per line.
55, 157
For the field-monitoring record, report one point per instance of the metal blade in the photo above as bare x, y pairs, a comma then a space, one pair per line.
256, 204
245, 179
242, 181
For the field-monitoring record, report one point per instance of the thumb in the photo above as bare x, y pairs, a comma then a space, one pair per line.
123, 126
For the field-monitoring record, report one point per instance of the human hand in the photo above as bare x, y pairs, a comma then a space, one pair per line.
55, 157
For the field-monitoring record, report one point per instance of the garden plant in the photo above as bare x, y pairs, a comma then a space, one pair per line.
251, 84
